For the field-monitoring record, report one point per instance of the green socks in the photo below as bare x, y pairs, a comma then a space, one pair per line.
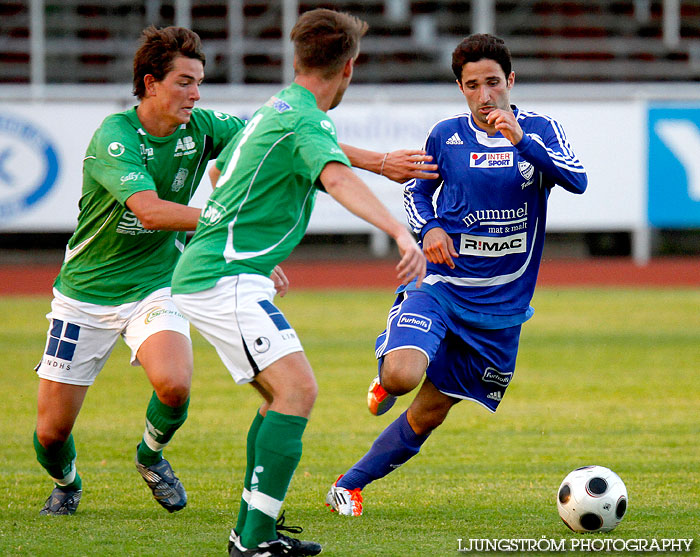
250, 464
277, 454
162, 421
59, 461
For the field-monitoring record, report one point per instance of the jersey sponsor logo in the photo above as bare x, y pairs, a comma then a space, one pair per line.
221, 116
492, 375
29, 166
115, 149
261, 345
500, 159
179, 180
328, 126
514, 217
415, 321
159, 312
147, 152
131, 177
185, 146
131, 225
454, 140
61, 344
279, 105
492, 246
212, 213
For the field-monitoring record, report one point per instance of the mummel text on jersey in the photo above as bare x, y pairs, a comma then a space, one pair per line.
492, 201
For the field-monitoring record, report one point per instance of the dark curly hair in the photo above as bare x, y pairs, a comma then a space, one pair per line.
480, 46
159, 47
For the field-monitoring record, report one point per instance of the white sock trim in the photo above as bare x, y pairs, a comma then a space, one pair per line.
70, 477
150, 442
265, 504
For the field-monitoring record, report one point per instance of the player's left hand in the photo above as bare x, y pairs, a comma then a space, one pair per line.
280, 279
406, 164
504, 121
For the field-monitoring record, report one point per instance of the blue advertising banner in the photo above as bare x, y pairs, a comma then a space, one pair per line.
674, 165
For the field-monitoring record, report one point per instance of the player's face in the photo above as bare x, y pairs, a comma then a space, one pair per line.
486, 88
178, 92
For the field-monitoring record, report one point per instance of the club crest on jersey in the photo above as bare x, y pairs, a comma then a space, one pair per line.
526, 169
491, 160
179, 180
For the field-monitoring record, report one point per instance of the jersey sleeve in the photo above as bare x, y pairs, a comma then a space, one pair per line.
114, 160
317, 145
223, 129
550, 153
418, 195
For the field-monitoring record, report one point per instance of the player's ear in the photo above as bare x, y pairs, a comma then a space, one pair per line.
511, 80
347, 69
149, 82
459, 84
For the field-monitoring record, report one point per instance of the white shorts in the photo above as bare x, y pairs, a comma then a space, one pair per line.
238, 318
81, 336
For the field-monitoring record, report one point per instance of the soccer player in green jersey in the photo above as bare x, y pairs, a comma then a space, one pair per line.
140, 171
255, 217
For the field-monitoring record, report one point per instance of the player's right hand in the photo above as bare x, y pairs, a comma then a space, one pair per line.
412, 264
439, 247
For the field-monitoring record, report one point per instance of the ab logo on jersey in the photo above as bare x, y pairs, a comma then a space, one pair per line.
185, 146
491, 160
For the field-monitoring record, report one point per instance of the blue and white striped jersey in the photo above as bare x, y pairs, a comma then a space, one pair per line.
492, 201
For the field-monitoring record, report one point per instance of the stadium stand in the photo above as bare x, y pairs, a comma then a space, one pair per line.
90, 41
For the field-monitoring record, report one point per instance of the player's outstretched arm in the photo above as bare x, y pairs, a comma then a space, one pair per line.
352, 193
155, 213
399, 166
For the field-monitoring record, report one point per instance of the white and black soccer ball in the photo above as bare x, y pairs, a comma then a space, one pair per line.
592, 499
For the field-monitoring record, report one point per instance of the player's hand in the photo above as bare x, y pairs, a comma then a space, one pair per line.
504, 121
438, 247
412, 264
280, 279
405, 164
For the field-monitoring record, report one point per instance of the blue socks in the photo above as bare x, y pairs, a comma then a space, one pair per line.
394, 446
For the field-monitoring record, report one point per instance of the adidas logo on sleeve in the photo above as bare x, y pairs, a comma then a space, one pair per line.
454, 140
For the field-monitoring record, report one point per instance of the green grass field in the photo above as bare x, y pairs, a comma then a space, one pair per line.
605, 376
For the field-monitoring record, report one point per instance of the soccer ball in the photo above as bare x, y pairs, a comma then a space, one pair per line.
592, 499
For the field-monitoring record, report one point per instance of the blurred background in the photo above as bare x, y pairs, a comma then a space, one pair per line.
621, 76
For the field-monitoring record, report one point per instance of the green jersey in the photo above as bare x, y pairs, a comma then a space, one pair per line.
111, 258
261, 206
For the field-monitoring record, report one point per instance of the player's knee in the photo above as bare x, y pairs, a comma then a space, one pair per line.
52, 434
174, 393
397, 377
305, 393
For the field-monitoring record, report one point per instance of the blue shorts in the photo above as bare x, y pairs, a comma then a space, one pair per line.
464, 361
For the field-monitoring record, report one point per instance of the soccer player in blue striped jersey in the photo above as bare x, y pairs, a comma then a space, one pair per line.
482, 227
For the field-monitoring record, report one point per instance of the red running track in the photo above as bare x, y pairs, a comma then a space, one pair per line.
37, 279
